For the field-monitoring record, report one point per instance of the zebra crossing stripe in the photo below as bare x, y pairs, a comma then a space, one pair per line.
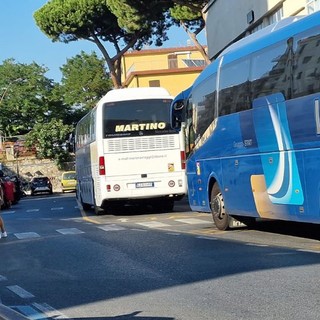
49, 311
27, 235
154, 224
112, 227
29, 312
20, 292
69, 231
193, 221
2, 278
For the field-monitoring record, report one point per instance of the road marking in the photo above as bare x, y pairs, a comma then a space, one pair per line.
111, 227
256, 245
2, 278
29, 312
173, 233
206, 238
20, 292
33, 210
6, 212
84, 215
141, 230
308, 251
57, 208
193, 221
154, 224
123, 220
27, 235
49, 311
70, 231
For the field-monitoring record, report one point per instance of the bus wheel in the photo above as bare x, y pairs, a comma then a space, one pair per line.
85, 206
98, 210
163, 205
219, 215
168, 205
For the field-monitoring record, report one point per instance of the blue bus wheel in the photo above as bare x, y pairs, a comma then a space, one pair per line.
219, 215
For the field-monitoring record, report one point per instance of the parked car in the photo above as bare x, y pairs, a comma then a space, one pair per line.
68, 181
40, 184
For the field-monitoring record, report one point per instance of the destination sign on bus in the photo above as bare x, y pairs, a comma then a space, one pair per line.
140, 126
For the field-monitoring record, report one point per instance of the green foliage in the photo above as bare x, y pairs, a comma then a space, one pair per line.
84, 80
49, 140
94, 20
143, 16
25, 96
185, 13
32, 104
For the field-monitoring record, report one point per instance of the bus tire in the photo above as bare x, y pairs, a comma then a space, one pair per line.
85, 206
98, 210
219, 214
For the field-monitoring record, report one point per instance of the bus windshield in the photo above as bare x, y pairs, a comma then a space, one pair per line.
137, 118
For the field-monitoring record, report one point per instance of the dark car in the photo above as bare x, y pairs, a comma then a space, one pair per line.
40, 184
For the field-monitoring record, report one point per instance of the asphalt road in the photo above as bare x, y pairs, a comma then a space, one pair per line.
60, 262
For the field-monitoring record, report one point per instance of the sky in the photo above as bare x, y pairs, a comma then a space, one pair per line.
22, 40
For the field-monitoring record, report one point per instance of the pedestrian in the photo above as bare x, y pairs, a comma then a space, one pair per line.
3, 233
9, 190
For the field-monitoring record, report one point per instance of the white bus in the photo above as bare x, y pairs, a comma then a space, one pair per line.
126, 152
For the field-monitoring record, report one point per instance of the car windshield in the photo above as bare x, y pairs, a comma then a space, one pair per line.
69, 176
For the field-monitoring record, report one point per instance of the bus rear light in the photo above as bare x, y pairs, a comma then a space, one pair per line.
183, 159
108, 187
102, 168
116, 187
171, 183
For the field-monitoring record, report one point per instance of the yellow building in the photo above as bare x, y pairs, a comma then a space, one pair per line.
172, 68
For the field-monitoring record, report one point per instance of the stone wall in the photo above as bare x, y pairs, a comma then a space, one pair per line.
28, 168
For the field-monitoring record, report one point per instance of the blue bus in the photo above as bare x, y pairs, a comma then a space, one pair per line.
252, 128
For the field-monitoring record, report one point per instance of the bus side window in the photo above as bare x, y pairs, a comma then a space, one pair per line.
270, 75
189, 134
178, 114
234, 91
306, 71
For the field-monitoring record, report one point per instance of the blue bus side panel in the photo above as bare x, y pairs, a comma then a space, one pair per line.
278, 160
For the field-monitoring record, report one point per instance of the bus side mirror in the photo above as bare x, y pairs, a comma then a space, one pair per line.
177, 114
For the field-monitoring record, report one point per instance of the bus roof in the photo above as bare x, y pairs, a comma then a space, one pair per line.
182, 95
135, 94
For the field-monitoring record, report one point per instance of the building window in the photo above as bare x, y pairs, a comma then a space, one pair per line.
172, 61
313, 6
272, 18
194, 62
276, 16
154, 83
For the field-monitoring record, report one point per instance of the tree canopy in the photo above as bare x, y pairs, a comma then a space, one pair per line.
94, 20
84, 80
26, 96
49, 139
187, 14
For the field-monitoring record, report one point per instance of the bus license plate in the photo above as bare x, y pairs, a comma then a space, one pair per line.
144, 184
